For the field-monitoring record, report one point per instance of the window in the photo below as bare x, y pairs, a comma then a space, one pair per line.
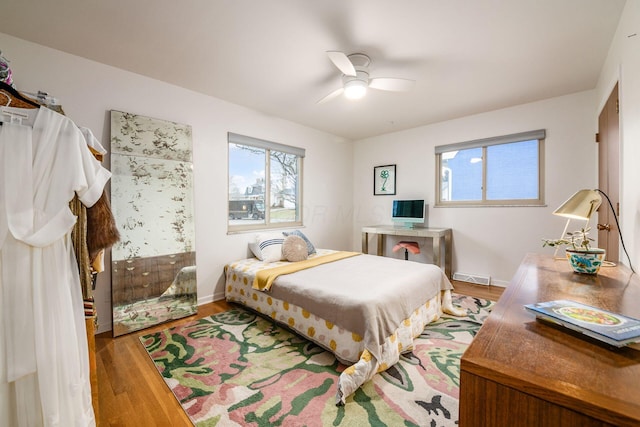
265, 182
505, 170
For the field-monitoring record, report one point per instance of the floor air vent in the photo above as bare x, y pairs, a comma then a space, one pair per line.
472, 278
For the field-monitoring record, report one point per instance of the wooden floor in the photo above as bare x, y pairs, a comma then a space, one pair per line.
132, 393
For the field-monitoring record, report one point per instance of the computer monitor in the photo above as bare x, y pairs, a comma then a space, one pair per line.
408, 213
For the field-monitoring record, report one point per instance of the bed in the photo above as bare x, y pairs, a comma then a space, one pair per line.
365, 309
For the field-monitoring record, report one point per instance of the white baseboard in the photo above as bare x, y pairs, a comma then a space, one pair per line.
207, 299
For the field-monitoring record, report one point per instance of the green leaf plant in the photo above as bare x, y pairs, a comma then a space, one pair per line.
578, 240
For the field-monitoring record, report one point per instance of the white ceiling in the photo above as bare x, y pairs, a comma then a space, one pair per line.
467, 56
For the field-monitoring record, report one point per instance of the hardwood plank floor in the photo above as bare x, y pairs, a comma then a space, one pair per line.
480, 291
130, 390
132, 393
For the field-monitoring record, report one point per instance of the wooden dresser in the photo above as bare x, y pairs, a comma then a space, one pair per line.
523, 372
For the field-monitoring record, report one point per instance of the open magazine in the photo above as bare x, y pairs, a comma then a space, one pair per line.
612, 328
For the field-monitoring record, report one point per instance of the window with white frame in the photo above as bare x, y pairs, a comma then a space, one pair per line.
265, 184
506, 170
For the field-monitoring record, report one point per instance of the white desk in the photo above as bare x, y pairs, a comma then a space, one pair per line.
441, 240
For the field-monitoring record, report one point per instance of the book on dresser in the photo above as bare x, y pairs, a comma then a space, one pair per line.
612, 328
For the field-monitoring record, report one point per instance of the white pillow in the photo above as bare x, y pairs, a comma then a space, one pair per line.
268, 246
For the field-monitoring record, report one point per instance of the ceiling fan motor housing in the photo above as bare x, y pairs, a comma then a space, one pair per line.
355, 87
361, 75
359, 60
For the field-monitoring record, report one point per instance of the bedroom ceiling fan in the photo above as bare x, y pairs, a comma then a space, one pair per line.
355, 77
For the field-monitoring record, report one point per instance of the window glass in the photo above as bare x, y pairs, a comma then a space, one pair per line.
264, 184
512, 171
505, 170
284, 187
246, 185
462, 175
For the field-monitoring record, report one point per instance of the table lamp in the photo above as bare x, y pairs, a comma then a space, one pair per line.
579, 206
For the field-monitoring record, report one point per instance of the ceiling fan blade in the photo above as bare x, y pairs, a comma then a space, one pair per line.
391, 84
343, 63
332, 95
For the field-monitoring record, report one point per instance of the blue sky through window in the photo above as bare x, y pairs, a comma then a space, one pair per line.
245, 167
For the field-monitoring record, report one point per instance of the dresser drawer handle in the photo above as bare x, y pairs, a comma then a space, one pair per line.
130, 268
146, 273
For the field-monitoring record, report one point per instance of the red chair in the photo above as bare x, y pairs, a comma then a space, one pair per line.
407, 246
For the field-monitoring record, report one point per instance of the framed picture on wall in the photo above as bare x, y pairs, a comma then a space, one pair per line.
384, 180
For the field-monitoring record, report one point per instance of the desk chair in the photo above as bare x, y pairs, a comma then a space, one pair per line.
407, 246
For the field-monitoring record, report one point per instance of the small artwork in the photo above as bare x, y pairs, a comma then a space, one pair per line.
384, 180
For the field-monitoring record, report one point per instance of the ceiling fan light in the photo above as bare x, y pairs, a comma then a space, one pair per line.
355, 89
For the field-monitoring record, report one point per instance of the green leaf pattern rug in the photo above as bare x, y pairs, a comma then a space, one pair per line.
238, 369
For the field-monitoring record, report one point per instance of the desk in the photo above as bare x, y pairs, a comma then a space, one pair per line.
441, 240
520, 371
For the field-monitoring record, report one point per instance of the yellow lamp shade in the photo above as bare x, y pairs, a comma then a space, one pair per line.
581, 205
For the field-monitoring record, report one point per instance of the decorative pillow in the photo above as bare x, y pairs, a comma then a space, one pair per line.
294, 248
267, 247
310, 248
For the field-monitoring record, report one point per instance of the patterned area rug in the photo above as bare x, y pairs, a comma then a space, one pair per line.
238, 369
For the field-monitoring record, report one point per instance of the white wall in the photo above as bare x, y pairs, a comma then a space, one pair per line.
488, 241
623, 65
88, 91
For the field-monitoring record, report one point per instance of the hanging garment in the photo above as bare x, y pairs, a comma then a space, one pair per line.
44, 368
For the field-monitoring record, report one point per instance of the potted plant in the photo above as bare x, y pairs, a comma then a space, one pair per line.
582, 257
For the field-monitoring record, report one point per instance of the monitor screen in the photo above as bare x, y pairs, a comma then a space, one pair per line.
408, 211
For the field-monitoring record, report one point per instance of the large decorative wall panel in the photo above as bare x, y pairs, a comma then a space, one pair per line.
153, 265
